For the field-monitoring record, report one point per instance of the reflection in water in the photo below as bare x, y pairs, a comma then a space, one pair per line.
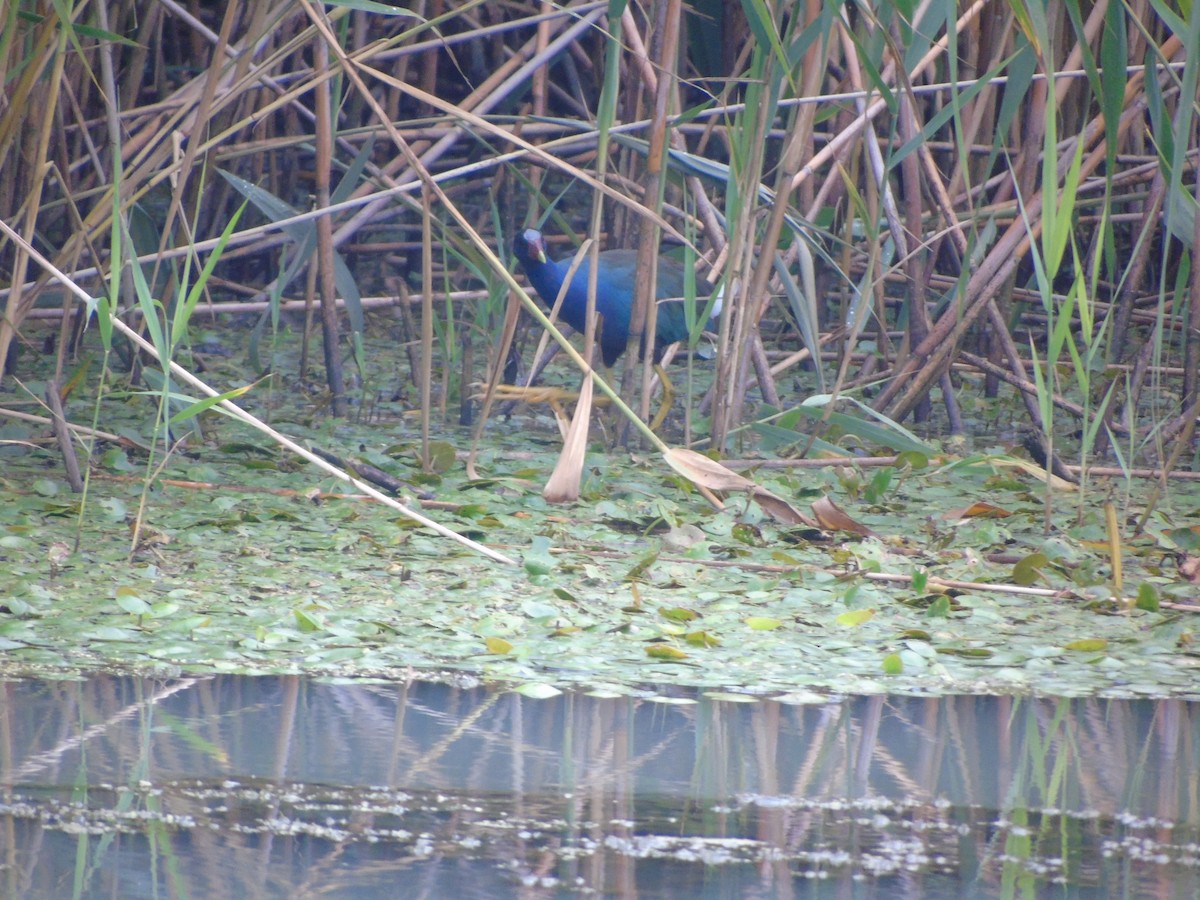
284, 787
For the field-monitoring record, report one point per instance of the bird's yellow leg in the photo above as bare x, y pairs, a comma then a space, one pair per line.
668, 397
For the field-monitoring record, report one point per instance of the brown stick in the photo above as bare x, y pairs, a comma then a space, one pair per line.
63, 435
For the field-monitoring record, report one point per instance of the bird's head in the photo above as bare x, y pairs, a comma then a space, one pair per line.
531, 248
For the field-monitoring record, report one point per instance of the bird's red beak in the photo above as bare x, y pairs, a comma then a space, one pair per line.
537, 246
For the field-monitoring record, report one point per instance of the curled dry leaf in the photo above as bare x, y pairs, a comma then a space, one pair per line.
977, 510
700, 470
834, 518
780, 510
708, 473
563, 486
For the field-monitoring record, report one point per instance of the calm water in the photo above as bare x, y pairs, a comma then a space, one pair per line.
284, 787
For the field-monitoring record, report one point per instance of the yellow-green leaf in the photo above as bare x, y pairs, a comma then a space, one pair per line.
855, 617
679, 614
1027, 571
305, 622
939, 608
498, 646
442, 456
1147, 597
967, 652
665, 651
1090, 645
763, 623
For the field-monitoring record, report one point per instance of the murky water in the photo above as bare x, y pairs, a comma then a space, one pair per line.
284, 787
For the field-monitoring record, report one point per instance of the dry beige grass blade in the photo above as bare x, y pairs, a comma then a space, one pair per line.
564, 481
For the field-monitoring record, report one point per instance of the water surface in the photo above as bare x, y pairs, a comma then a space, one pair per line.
247, 787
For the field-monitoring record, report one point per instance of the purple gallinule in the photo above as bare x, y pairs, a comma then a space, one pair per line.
615, 279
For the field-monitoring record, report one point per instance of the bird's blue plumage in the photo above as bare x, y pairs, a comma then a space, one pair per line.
615, 279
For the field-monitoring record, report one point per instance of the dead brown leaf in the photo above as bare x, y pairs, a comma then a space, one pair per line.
711, 475
704, 472
833, 518
977, 510
780, 510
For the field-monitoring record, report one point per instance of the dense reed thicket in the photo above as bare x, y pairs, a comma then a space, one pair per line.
898, 198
